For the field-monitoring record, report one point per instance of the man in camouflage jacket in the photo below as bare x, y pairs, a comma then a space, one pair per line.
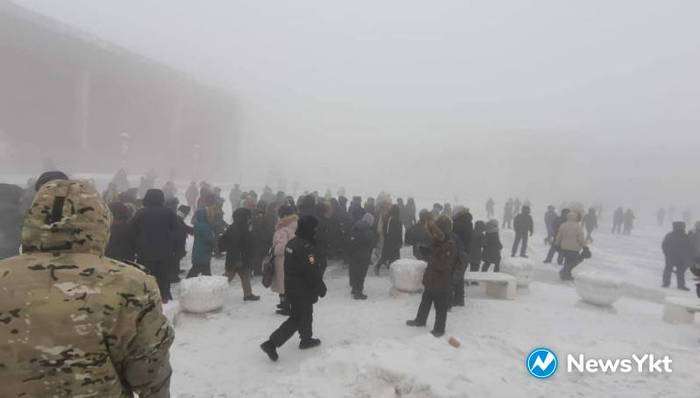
74, 323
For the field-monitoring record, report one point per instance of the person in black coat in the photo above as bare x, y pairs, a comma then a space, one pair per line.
492, 247
555, 230
677, 250
303, 285
11, 220
476, 246
393, 238
153, 228
362, 241
120, 246
524, 228
238, 243
462, 226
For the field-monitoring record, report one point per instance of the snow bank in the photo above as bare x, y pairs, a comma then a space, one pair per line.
597, 288
407, 275
203, 293
521, 268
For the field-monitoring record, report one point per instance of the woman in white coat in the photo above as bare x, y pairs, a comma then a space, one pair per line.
284, 232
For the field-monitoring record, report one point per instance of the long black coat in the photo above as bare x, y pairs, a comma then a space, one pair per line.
303, 280
476, 247
153, 228
492, 247
121, 245
462, 227
362, 242
393, 234
441, 258
238, 243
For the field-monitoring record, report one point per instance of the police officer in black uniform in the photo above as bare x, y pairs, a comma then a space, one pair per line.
303, 283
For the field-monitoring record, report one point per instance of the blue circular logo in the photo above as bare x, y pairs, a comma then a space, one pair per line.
542, 363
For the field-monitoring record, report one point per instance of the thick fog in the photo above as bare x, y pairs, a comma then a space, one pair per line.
547, 100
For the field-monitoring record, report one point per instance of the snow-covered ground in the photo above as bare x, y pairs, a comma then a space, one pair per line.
368, 351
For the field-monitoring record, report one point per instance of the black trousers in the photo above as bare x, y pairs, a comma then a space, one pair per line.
300, 320
458, 290
160, 269
496, 266
358, 272
520, 237
680, 273
475, 265
571, 260
440, 300
197, 269
554, 249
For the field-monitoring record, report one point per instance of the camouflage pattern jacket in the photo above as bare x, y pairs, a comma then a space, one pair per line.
74, 323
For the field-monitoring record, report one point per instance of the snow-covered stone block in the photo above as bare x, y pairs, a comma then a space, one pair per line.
203, 293
678, 310
521, 268
172, 310
407, 275
598, 288
498, 285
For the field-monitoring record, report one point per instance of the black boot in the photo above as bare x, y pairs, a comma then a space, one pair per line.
269, 348
437, 333
309, 343
415, 323
284, 308
359, 296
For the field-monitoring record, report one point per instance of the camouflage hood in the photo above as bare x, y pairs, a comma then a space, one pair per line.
68, 217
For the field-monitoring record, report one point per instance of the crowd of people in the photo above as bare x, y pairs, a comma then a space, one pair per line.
72, 234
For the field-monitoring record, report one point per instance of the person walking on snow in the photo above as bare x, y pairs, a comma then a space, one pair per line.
550, 218
437, 277
203, 245
571, 241
237, 242
590, 221
677, 248
492, 247
362, 239
303, 284
490, 212
284, 232
524, 228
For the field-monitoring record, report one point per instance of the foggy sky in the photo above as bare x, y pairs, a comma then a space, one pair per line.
551, 100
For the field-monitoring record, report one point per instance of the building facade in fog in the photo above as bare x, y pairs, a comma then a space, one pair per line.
74, 102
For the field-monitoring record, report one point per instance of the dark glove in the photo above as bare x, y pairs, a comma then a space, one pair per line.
322, 290
586, 253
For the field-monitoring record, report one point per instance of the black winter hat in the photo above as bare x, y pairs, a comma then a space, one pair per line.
306, 228
154, 197
49, 176
242, 215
